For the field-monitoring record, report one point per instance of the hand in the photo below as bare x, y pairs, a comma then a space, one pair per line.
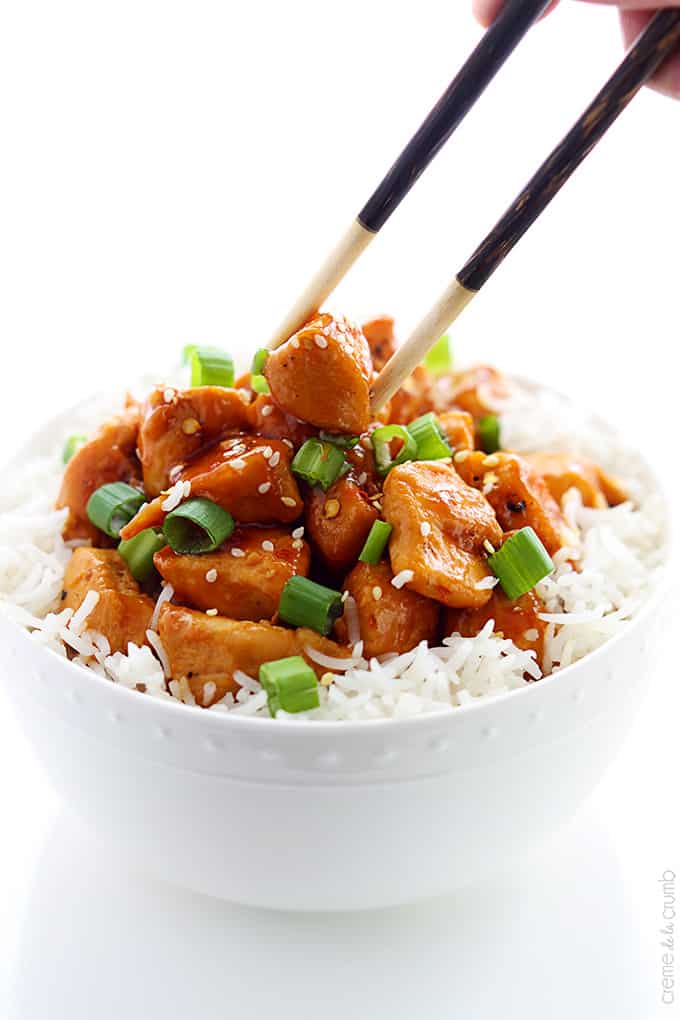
634, 16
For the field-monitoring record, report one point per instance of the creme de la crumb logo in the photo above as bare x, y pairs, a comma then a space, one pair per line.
668, 957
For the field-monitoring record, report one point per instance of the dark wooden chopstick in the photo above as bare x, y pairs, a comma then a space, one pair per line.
498, 42
655, 43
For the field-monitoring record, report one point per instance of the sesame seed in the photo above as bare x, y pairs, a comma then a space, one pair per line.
237, 553
211, 576
295, 343
267, 410
274, 459
211, 612
237, 463
402, 578
267, 452
425, 529
289, 444
363, 478
168, 395
264, 487
377, 593
190, 426
326, 679
461, 456
492, 461
288, 501
320, 341
490, 480
298, 543
187, 489
268, 546
489, 548
298, 532
345, 595
331, 508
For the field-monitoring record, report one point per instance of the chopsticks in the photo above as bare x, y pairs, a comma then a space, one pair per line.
655, 43
494, 48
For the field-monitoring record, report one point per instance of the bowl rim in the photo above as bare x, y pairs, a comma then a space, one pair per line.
266, 726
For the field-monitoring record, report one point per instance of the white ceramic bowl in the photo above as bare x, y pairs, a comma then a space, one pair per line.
316, 816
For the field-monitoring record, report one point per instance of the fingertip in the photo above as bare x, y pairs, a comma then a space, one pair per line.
667, 79
485, 11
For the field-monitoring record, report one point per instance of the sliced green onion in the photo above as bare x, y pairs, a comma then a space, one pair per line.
188, 353
259, 359
439, 358
520, 563
211, 367
374, 546
259, 384
431, 442
337, 439
384, 441
197, 526
138, 553
305, 603
318, 463
490, 433
112, 506
290, 685
71, 447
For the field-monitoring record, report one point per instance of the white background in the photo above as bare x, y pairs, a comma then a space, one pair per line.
171, 173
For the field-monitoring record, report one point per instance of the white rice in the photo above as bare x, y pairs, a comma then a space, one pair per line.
620, 553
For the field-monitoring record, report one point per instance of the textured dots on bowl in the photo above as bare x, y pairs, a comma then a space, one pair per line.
386, 756
328, 760
211, 744
116, 718
74, 696
269, 754
439, 745
162, 733
536, 717
579, 696
490, 732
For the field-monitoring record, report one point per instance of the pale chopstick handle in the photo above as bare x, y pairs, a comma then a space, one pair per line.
327, 277
498, 42
455, 298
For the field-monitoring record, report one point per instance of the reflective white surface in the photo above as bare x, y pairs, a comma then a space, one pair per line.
576, 934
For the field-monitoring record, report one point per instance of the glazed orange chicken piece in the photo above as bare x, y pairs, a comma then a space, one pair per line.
110, 456
248, 476
381, 341
480, 390
517, 620
177, 424
517, 493
207, 650
564, 471
246, 586
338, 522
322, 375
439, 525
122, 614
397, 620
268, 420
459, 429
414, 398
